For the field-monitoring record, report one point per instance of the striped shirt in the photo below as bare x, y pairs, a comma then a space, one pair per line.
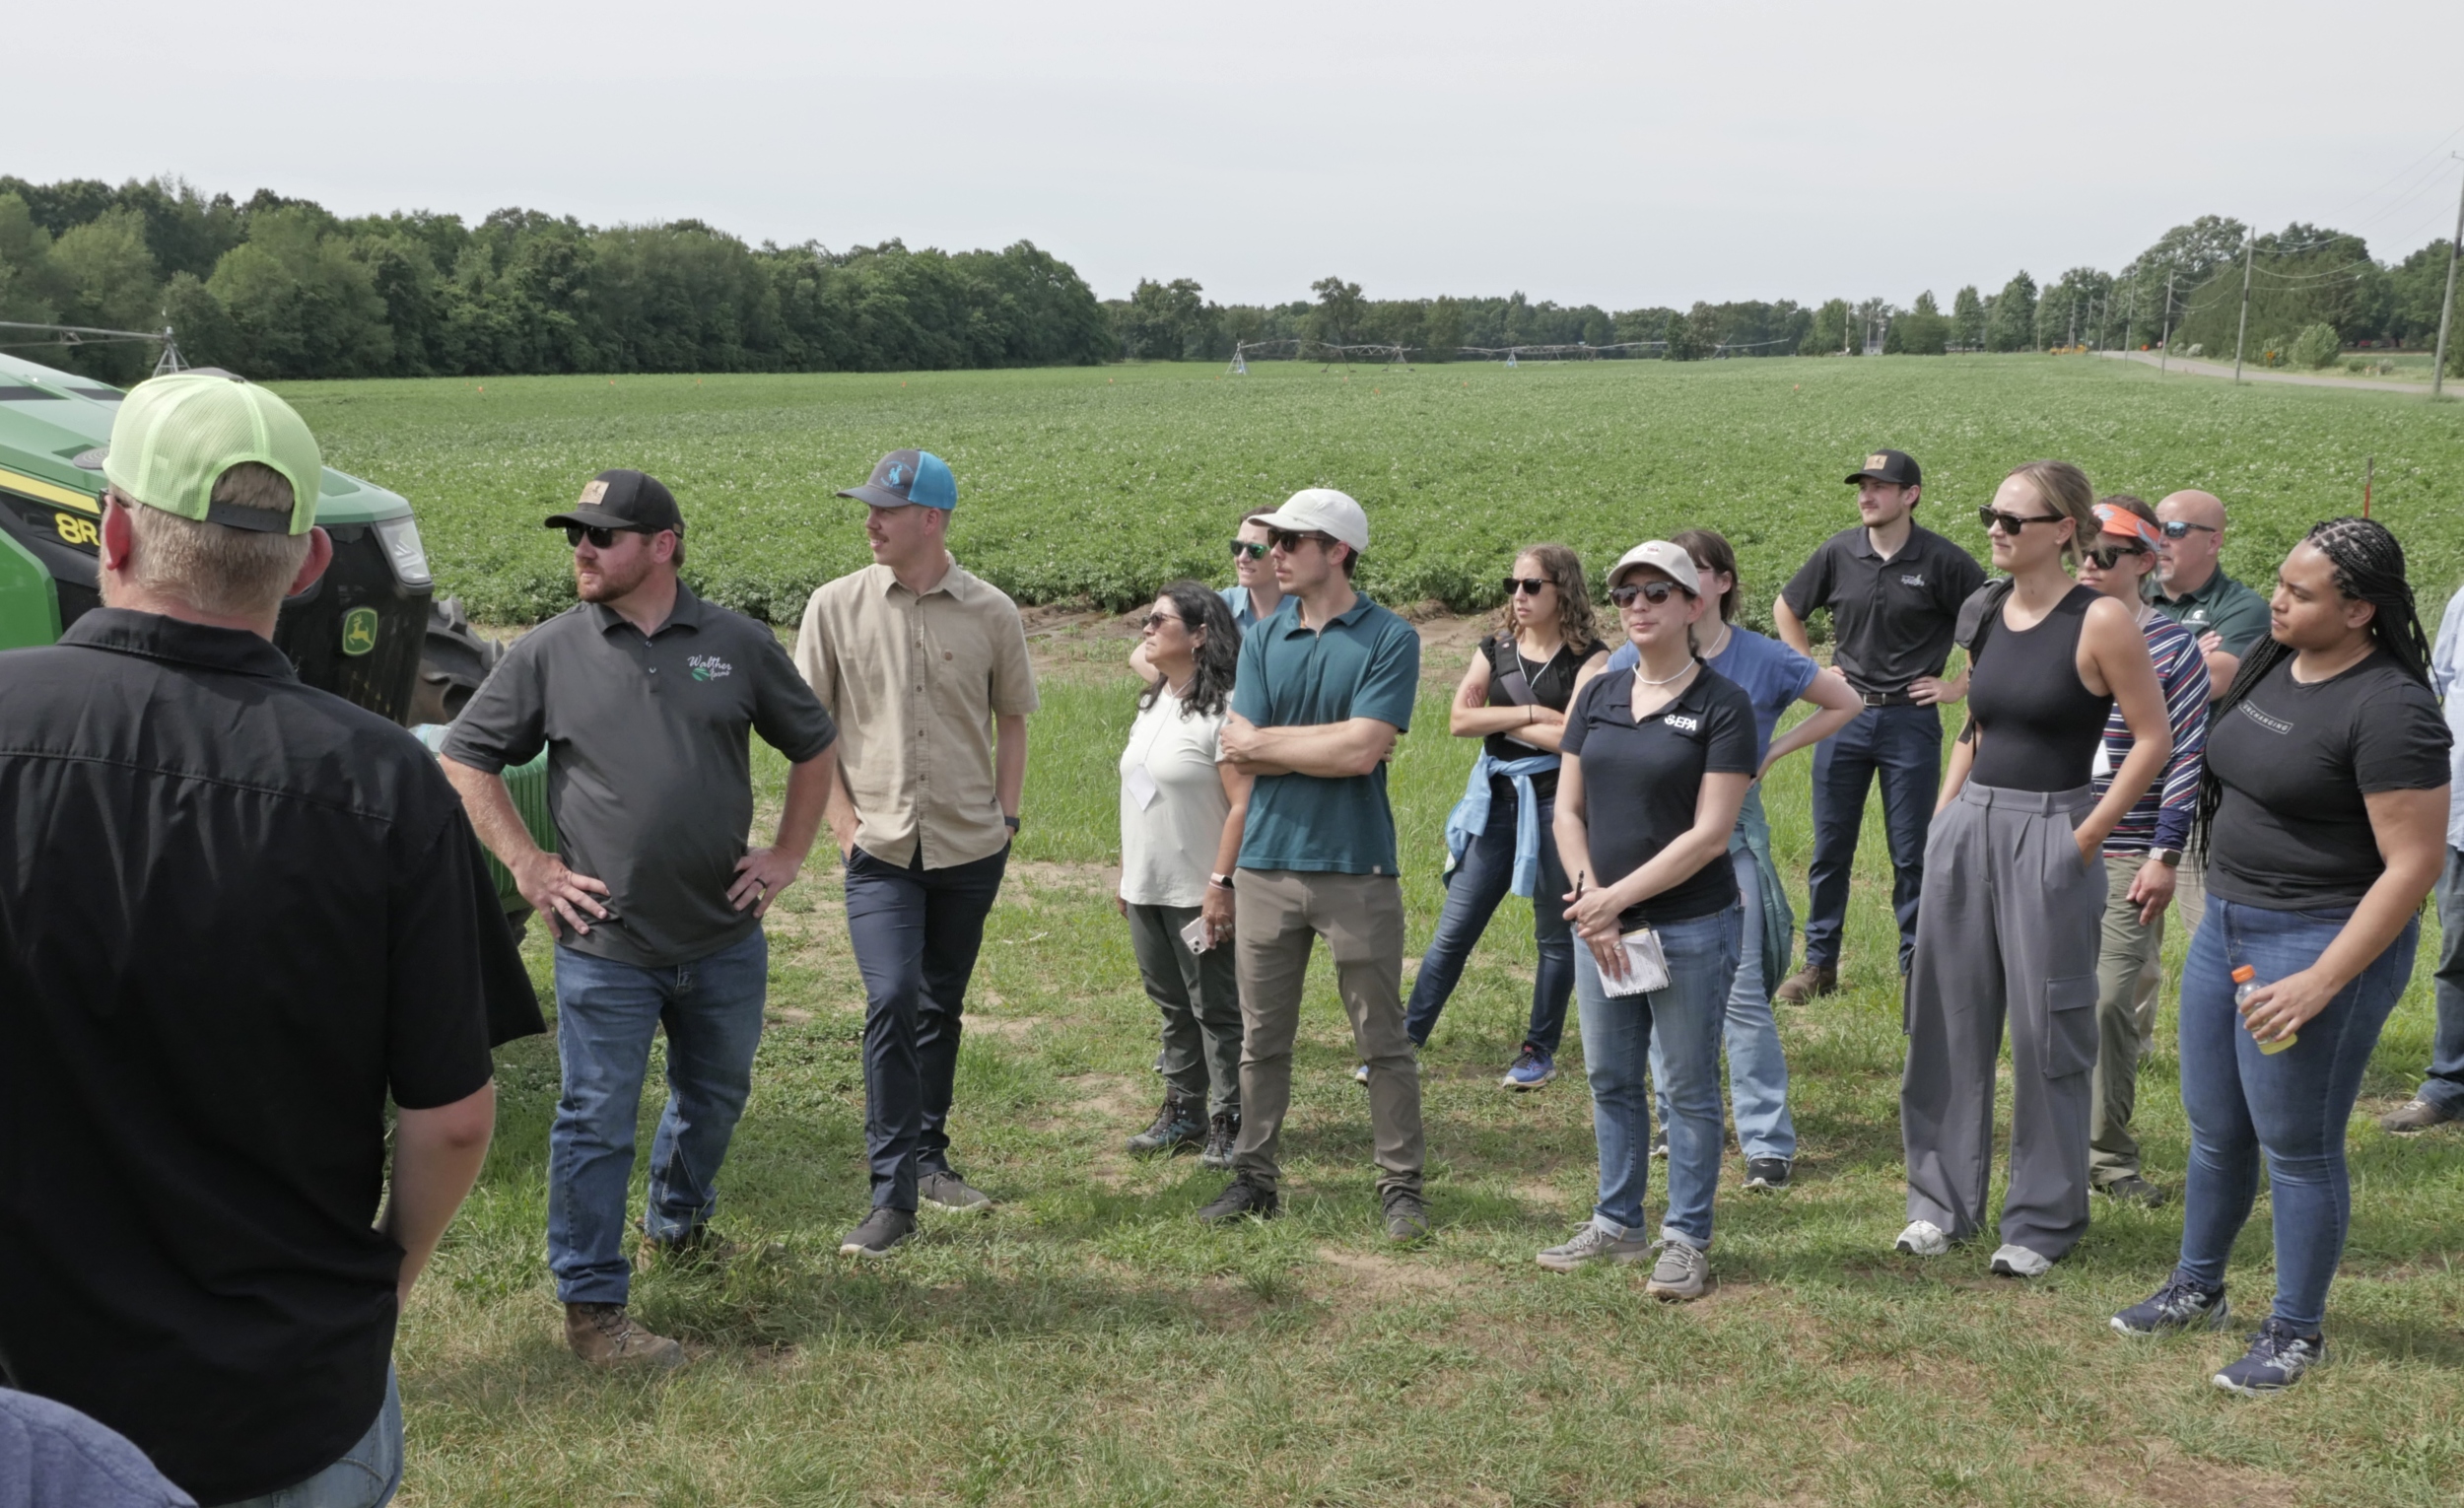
2161, 817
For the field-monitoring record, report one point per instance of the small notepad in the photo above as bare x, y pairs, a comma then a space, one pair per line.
1646, 966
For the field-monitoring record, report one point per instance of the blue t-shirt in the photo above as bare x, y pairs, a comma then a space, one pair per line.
1773, 675
1366, 663
1237, 599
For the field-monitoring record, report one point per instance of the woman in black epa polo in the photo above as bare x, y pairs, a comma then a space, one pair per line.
2324, 811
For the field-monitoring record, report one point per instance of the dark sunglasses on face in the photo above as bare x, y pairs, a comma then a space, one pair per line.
2012, 523
600, 539
1157, 620
2107, 556
1654, 593
1287, 544
1529, 585
2179, 529
1243, 549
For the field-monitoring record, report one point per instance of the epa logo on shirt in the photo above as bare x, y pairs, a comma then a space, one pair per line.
1684, 725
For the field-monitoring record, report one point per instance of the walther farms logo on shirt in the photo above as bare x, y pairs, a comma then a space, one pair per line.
1912, 581
709, 668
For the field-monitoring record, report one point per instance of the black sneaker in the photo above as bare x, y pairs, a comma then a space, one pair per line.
882, 1229
1221, 1132
1766, 1175
1243, 1198
2178, 1306
2133, 1190
1176, 1126
2276, 1360
1407, 1215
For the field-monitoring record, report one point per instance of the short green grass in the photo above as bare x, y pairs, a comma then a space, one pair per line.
1088, 1343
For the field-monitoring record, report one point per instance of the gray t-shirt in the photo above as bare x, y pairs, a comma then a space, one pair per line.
649, 775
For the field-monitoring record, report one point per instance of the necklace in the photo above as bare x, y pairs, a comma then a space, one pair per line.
1718, 645
1663, 680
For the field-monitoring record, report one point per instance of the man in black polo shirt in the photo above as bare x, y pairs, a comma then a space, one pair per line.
237, 914
641, 694
1894, 592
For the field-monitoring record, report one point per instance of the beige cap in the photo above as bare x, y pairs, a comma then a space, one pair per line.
1322, 511
1662, 557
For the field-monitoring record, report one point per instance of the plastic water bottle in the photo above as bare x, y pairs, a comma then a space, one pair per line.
2246, 985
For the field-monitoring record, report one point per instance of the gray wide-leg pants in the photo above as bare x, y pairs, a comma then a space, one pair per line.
2009, 927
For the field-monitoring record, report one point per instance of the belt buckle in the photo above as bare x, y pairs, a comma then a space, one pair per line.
1876, 698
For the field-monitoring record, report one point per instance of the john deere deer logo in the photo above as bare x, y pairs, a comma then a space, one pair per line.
359, 631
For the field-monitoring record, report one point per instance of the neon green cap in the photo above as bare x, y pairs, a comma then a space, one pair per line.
175, 436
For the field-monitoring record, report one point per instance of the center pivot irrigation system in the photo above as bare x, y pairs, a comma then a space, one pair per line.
1300, 347
87, 335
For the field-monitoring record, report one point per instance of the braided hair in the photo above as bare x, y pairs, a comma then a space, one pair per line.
2369, 567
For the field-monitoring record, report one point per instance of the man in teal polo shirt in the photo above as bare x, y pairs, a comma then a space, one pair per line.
1324, 689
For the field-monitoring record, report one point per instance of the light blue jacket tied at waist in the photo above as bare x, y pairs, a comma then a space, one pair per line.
1470, 818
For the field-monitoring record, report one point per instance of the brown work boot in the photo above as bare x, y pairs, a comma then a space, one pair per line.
1808, 983
2414, 1116
605, 1336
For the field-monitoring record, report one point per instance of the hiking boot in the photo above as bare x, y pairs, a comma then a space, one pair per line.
700, 1246
2276, 1360
1923, 1238
1766, 1175
1809, 983
1532, 1068
1407, 1215
1592, 1244
2414, 1116
2178, 1306
948, 1192
1176, 1126
1679, 1273
605, 1336
1242, 1198
2133, 1190
882, 1230
1221, 1132
2010, 1261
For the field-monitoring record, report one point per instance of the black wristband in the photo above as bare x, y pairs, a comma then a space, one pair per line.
1011, 823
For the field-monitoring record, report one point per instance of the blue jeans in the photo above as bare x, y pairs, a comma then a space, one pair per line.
1903, 744
368, 1475
2293, 1106
2445, 1086
605, 1015
1619, 1035
1757, 1070
915, 933
1472, 896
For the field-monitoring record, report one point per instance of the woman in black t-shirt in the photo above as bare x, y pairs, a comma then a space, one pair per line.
1513, 697
2324, 811
1656, 765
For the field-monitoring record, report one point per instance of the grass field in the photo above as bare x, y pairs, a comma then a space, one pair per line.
1086, 1344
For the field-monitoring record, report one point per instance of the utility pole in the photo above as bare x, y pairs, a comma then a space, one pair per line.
2132, 318
2249, 254
2165, 342
2446, 311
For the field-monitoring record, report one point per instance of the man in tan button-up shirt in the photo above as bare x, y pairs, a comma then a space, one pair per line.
924, 669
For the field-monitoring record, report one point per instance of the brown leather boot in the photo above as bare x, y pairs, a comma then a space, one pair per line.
605, 1336
1807, 984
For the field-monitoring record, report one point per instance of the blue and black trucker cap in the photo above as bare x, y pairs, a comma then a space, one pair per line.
905, 478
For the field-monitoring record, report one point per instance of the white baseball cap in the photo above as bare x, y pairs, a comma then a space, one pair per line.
1322, 511
1662, 557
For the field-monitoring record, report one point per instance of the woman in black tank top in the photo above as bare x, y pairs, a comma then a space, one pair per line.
2013, 903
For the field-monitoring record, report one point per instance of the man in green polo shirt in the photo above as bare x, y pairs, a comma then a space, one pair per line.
2223, 615
1325, 687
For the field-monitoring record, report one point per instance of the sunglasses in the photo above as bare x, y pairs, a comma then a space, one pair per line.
2179, 529
1154, 620
1287, 544
1529, 585
600, 539
1243, 549
2106, 557
1654, 593
2012, 523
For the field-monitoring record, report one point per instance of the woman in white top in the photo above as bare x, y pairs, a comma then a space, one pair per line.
1182, 809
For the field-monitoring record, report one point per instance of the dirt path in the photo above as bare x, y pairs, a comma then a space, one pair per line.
2257, 374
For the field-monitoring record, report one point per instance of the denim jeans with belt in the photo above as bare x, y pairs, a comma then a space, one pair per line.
2290, 1106
1472, 895
605, 1015
1684, 1023
1903, 744
368, 1475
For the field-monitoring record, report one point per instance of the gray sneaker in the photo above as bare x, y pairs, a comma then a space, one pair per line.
1592, 1244
1407, 1215
1679, 1273
950, 1194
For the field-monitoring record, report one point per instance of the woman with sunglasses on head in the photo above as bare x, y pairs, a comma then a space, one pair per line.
1774, 678
1182, 810
1513, 697
2013, 905
2324, 813
1656, 765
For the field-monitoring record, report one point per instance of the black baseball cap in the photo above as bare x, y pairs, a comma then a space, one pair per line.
624, 500
1893, 466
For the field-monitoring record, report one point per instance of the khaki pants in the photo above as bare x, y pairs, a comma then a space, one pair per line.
1282, 914
2128, 976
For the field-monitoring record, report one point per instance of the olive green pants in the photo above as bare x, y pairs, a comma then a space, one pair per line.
2127, 984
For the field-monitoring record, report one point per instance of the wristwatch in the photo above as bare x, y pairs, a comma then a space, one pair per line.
2172, 858
1011, 823
1223, 881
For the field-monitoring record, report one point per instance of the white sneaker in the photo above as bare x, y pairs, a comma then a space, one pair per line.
1923, 1238
2019, 1262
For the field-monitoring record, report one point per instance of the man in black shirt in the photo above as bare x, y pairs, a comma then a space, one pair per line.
1894, 592
237, 914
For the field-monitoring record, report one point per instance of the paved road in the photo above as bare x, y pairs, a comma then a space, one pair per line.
2261, 375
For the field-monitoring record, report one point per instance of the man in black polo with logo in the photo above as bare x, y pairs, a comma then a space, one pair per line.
643, 694
1894, 592
238, 915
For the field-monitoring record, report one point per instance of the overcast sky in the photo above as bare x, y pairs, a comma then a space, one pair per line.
1625, 155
